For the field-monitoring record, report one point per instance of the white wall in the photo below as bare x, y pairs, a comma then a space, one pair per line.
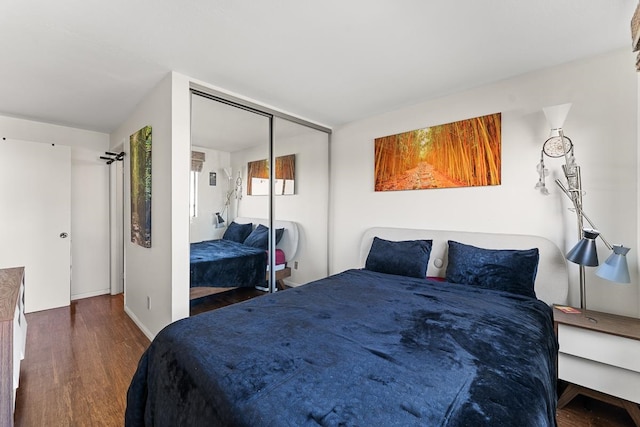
30, 130
180, 167
148, 270
602, 123
89, 198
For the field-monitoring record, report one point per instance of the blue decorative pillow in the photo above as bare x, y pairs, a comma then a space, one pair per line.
500, 269
259, 238
404, 258
237, 232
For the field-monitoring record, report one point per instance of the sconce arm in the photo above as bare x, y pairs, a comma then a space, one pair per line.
580, 211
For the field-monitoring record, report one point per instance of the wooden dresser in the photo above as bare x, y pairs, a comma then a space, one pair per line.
13, 334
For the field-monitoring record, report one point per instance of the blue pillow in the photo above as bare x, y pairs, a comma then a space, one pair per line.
259, 238
404, 258
507, 270
237, 232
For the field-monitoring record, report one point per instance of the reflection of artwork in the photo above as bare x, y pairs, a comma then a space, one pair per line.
258, 176
140, 149
459, 154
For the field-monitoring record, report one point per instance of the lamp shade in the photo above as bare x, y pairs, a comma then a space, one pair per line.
615, 268
556, 115
584, 252
218, 220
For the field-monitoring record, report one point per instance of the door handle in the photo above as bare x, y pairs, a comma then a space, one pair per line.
64, 235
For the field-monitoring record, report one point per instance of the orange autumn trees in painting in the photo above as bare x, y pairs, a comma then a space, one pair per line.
459, 154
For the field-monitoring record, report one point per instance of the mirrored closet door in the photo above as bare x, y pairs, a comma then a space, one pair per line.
301, 195
257, 181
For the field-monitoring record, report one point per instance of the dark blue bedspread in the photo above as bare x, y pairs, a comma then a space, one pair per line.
356, 349
224, 263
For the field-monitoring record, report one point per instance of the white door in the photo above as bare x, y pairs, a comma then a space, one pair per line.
35, 219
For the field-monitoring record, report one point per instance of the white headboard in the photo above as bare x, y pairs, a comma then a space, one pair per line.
289, 242
552, 279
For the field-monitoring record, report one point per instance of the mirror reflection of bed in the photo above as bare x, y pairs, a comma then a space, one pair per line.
240, 258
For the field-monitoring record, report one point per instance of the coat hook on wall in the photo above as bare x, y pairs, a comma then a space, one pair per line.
112, 157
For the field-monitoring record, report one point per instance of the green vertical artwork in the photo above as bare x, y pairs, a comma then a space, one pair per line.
140, 155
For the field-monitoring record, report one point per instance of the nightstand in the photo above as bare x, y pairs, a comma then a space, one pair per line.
600, 357
281, 275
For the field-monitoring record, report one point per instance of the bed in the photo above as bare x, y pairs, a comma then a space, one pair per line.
232, 262
365, 347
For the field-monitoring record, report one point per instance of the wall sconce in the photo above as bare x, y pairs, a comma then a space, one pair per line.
615, 268
584, 252
218, 221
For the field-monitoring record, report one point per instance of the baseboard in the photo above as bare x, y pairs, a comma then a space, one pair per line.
139, 324
90, 294
291, 284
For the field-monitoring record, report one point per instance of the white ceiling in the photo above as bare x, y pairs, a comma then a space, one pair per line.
87, 63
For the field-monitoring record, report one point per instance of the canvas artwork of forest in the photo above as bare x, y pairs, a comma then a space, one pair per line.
465, 153
258, 176
140, 149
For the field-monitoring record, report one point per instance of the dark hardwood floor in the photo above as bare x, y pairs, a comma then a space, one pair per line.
585, 411
80, 360
78, 364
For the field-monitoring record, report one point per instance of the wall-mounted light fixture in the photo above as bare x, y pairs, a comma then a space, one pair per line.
218, 221
584, 252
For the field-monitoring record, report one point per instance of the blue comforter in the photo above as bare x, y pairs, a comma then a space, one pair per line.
358, 348
224, 263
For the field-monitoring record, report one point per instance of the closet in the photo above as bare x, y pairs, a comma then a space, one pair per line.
238, 142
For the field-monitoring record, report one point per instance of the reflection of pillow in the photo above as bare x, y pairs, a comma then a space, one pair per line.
259, 238
500, 269
405, 258
237, 232
280, 257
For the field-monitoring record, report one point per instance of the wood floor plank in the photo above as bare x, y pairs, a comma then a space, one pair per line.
80, 360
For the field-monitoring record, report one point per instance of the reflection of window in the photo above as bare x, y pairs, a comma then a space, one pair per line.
197, 160
193, 194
